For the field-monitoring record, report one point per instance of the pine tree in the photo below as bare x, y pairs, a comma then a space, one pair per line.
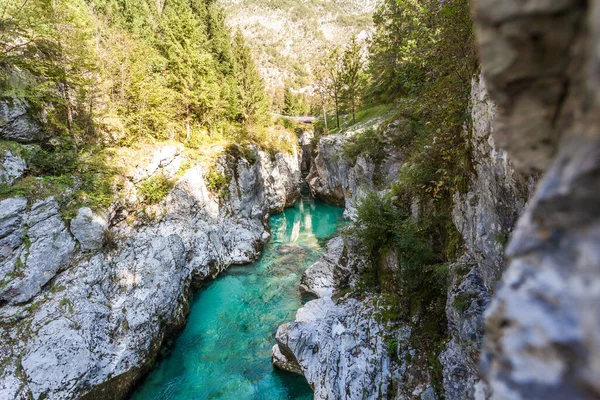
352, 75
333, 67
253, 104
191, 68
320, 75
289, 106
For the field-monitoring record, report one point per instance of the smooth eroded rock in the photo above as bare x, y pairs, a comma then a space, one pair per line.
88, 228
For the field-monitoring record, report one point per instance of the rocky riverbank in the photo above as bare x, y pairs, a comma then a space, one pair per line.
87, 304
337, 341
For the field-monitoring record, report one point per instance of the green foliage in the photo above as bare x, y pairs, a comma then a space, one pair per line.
156, 188
35, 188
462, 302
353, 76
253, 105
367, 143
217, 182
416, 291
18, 149
341, 79
127, 69
294, 103
423, 59
66, 303
54, 160
377, 219
364, 116
392, 347
237, 152
381, 223
100, 74
502, 238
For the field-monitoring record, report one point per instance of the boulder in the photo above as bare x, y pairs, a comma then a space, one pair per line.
12, 168
17, 122
88, 228
44, 248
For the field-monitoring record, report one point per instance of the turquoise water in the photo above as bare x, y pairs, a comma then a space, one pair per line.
225, 350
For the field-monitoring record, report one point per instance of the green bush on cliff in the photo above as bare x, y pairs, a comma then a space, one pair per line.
156, 188
367, 143
381, 224
416, 291
217, 182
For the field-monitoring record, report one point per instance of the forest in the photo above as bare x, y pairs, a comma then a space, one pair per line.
100, 76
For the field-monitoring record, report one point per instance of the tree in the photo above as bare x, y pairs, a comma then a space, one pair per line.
294, 103
320, 75
131, 69
252, 100
352, 75
191, 70
74, 58
333, 67
45, 46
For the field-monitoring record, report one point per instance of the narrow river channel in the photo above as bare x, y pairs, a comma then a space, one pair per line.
225, 350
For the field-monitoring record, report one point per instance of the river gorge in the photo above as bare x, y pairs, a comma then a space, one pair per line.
225, 350
166, 234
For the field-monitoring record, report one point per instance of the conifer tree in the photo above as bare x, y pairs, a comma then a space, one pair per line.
352, 75
252, 100
333, 67
289, 106
320, 74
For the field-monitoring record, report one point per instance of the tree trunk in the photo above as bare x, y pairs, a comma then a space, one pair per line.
68, 106
324, 112
188, 130
337, 112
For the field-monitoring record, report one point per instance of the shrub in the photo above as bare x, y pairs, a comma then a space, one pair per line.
462, 302
217, 182
237, 152
53, 161
381, 224
367, 143
156, 188
418, 289
392, 347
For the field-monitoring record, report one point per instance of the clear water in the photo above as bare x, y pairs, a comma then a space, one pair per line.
225, 350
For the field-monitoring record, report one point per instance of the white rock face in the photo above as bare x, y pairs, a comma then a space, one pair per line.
319, 277
335, 180
17, 123
12, 167
485, 216
89, 229
344, 348
95, 329
341, 349
38, 245
542, 339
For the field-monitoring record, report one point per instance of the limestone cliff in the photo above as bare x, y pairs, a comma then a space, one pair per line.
485, 216
335, 179
319, 343
85, 306
540, 59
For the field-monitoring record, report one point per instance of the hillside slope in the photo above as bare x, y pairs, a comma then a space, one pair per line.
287, 36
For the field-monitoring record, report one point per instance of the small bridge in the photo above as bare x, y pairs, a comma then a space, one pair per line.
304, 119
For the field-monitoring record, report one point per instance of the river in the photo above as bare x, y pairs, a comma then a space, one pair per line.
224, 351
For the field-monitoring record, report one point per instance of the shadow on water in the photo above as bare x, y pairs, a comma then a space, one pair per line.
224, 351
